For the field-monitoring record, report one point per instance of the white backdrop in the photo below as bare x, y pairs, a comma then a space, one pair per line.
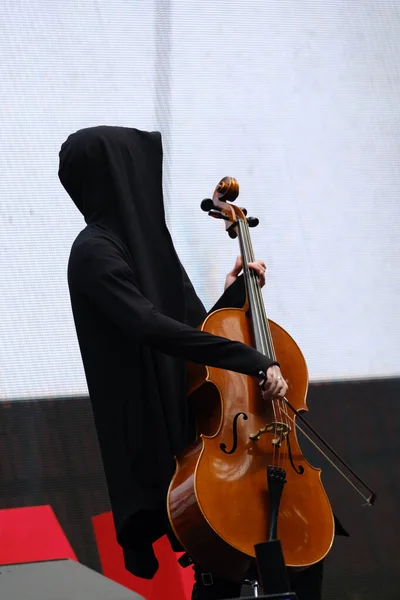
297, 100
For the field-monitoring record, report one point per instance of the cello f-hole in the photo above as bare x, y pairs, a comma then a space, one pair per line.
234, 431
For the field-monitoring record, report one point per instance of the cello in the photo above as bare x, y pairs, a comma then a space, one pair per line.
245, 477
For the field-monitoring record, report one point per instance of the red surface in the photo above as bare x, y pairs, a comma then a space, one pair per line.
31, 534
170, 582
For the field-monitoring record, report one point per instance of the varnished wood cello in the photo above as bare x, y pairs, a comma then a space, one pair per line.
246, 472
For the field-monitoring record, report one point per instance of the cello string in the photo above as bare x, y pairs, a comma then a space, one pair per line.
276, 403
246, 252
248, 256
263, 321
297, 427
267, 348
283, 453
274, 445
265, 331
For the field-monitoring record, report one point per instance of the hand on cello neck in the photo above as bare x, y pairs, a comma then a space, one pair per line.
258, 266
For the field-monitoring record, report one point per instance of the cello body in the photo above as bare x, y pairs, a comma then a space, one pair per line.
218, 502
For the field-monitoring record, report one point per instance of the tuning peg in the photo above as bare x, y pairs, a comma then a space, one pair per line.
244, 211
252, 221
207, 205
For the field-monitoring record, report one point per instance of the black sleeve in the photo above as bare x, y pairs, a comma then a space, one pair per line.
105, 278
233, 297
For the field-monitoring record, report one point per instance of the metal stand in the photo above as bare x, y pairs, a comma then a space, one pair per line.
272, 573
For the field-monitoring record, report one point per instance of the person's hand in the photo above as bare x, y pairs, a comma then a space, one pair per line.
274, 386
258, 266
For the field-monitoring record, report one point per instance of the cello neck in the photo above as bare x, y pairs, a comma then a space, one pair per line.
262, 334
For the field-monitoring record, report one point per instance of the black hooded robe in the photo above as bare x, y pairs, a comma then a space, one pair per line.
135, 313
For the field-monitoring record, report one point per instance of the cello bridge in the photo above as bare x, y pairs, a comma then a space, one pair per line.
277, 428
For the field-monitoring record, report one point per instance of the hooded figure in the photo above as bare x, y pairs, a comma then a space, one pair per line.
136, 313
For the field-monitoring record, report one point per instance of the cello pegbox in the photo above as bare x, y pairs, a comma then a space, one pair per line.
226, 191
